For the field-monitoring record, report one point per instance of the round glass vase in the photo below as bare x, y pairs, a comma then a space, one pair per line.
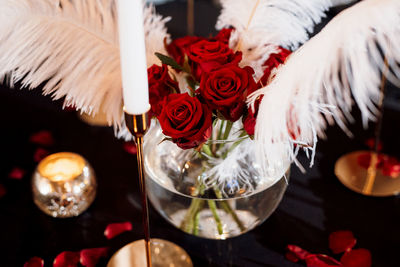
209, 211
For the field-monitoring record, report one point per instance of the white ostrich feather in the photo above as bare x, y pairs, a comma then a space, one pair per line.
342, 2
261, 25
318, 81
72, 46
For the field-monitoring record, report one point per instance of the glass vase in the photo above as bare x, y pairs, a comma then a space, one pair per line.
180, 190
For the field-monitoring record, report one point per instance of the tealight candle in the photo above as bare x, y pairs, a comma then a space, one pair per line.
63, 185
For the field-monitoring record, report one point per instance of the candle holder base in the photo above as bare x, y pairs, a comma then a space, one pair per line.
354, 177
163, 253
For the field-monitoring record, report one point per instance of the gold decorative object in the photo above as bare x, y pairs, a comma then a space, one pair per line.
358, 178
154, 252
164, 253
63, 185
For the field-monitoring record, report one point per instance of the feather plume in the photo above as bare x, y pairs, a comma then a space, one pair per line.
318, 82
72, 46
262, 25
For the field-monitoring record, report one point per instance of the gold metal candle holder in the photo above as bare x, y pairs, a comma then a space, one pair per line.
158, 252
138, 126
63, 185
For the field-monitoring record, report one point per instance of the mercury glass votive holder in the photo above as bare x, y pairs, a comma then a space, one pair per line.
63, 185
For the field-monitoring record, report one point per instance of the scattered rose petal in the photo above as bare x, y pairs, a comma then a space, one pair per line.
300, 253
391, 167
44, 138
371, 144
66, 259
114, 229
341, 241
130, 147
16, 173
90, 257
290, 256
365, 159
40, 154
360, 257
321, 260
34, 262
2, 190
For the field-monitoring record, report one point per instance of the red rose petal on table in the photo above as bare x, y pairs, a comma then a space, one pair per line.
364, 160
44, 138
3, 190
341, 241
40, 154
300, 253
321, 260
16, 173
130, 147
360, 257
391, 167
34, 262
114, 229
290, 256
90, 257
67, 259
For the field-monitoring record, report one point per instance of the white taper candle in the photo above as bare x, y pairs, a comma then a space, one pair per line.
133, 56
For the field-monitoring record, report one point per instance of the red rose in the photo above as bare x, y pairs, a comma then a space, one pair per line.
273, 62
207, 55
186, 120
224, 35
179, 47
160, 85
225, 90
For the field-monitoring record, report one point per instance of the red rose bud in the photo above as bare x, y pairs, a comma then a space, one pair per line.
274, 61
40, 154
179, 47
207, 55
249, 122
160, 85
130, 147
3, 191
114, 229
91, 256
67, 259
391, 167
225, 90
341, 241
224, 35
186, 120
360, 257
320, 260
16, 173
34, 262
44, 138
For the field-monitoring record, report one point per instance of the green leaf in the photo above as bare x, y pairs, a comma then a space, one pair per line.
169, 61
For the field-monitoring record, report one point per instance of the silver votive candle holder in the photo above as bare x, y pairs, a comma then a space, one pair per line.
63, 185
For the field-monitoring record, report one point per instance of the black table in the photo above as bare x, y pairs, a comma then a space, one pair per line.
315, 203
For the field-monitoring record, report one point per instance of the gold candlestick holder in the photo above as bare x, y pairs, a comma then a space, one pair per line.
158, 252
369, 182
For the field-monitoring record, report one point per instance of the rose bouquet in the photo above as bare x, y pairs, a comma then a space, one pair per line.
198, 96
